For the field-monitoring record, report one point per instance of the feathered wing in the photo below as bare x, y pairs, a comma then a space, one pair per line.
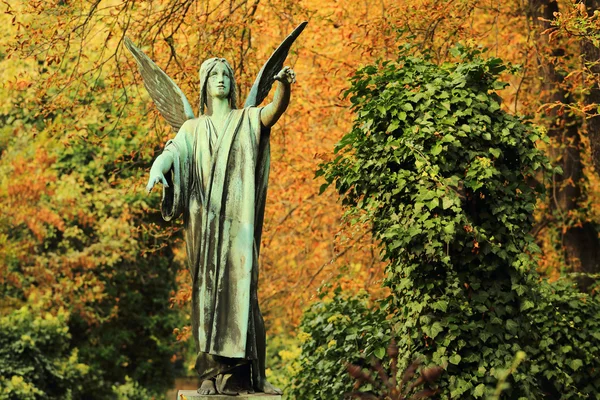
168, 97
264, 81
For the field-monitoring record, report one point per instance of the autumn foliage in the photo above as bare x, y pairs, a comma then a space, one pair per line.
78, 134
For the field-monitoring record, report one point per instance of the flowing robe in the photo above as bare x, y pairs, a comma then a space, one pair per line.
216, 185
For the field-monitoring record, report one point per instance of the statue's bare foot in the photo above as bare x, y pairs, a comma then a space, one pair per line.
270, 389
207, 387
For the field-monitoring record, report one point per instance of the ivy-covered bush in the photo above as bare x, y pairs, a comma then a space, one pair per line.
35, 359
449, 182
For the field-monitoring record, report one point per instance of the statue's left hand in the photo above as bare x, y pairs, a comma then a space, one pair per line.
156, 176
286, 75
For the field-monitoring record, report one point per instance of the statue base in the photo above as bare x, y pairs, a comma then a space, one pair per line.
194, 395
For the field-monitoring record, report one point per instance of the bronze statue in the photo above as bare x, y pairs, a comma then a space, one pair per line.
214, 173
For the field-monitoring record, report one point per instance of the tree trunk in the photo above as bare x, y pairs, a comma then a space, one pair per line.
591, 56
580, 244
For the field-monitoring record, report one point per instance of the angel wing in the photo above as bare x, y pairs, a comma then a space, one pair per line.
264, 81
168, 97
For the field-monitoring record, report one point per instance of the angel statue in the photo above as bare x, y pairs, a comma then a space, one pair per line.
214, 173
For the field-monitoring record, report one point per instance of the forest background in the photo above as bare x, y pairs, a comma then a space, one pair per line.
84, 253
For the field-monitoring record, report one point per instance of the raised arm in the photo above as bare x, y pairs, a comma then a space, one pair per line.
271, 113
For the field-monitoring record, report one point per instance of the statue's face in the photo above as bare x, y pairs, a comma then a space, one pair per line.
219, 83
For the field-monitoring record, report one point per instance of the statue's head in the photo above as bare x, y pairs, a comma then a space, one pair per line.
216, 80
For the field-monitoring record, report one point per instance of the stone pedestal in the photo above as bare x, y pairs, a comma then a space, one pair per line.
193, 395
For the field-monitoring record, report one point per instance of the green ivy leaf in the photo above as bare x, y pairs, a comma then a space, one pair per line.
511, 326
526, 305
479, 390
495, 152
393, 126
437, 149
440, 305
433, 203
447, 202
449, 229
565, 349
455, 359
435, 330
576, 364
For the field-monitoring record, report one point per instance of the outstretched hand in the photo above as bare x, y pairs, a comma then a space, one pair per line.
286, 75
156, 177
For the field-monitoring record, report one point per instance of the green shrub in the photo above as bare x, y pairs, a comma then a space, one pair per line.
283, 351
449, 182
336, 332
566, 356
131, 390
35, 359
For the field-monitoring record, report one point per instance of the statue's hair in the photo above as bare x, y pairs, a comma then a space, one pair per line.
205, 69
